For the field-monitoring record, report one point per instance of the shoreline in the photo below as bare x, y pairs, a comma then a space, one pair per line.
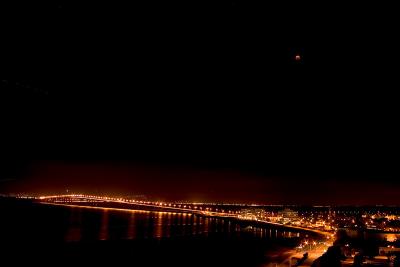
235, 219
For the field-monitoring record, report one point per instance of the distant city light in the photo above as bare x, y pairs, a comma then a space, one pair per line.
324, 222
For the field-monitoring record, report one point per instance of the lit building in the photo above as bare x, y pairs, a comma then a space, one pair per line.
288, 215
252, 214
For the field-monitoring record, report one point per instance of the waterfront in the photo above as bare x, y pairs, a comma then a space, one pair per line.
44, 233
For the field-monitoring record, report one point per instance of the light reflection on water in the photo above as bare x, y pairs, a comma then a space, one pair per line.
132, 226
75, 225
104, 226
115, 225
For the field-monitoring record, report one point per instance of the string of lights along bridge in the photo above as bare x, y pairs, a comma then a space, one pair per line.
183, 207
233, 211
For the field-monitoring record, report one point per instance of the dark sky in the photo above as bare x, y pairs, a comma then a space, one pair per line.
203, 99
197, 183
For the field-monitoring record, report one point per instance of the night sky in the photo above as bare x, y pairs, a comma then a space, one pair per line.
202, 101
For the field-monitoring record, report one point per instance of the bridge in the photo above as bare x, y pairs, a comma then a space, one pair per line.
203, 209
122, 203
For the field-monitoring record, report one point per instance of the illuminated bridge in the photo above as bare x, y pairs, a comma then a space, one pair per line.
122, 203
204, 209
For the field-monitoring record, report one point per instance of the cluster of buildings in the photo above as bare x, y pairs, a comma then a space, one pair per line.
327, 219
252, 214
369, 237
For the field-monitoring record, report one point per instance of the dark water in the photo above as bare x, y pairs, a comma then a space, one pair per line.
47, 235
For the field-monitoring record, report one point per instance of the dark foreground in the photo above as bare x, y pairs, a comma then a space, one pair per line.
34, 234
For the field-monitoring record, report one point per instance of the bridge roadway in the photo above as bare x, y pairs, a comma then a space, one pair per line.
168, 207
92, 201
